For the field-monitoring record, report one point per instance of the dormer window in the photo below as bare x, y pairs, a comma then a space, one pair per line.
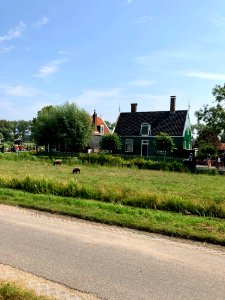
145, 129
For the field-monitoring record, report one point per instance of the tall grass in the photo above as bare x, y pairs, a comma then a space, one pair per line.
123, 195
201, 195
11, 291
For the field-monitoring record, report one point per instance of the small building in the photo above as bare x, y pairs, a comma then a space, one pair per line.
138, 129
99, 128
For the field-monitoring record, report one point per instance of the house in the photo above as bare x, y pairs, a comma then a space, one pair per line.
99, 128
138, 129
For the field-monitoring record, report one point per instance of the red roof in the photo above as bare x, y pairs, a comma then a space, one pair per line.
100, 125
101, 122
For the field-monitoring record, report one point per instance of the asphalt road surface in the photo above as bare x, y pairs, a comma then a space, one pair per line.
110, 262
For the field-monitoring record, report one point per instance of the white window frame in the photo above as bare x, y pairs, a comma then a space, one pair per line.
101, 129
143, 126
129, 145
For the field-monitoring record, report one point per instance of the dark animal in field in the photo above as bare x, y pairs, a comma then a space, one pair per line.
57, 162
76, 170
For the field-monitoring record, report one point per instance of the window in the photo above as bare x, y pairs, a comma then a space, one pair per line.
100, 129
129, 145
145, 129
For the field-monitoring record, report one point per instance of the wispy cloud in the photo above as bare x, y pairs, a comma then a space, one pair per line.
43, 21
205, 75
97, 96
51, 68
129, 2
141, 83
17, 90
105, 101
144, 20
4, 49
168, 55
217, 20
14, 33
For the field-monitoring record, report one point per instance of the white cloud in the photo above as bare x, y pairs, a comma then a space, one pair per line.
205, 75
14, 33
141, 83
4, 49
17, 90
128, 2
217, 20
43, 21
50, 68
168, 55
98, 96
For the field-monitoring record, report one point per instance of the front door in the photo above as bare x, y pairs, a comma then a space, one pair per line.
144, 148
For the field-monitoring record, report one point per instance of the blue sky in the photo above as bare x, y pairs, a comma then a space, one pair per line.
106, 54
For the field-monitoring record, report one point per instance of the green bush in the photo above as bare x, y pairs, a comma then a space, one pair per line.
102, 159
23, 155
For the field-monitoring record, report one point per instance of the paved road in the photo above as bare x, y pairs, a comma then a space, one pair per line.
110, 262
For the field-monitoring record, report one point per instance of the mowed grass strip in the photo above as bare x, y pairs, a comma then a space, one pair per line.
173, 224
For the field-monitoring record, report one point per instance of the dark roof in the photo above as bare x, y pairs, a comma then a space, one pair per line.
129, 124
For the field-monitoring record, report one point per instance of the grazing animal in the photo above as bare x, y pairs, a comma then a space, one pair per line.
76, 170
57, 162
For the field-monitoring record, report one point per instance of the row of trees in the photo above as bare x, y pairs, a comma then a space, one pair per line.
68, 128
13, 130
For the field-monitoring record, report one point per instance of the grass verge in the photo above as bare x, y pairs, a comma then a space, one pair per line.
204, 229
11, 291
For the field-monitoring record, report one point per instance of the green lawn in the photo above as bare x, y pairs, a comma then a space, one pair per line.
177, 204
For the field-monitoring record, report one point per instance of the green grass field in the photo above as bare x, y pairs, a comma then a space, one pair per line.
177, 204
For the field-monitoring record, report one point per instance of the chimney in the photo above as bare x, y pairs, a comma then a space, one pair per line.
133, 107
94, 120
172, 104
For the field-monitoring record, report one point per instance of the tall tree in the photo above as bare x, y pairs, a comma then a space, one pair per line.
6, 130
65, 127
214, 116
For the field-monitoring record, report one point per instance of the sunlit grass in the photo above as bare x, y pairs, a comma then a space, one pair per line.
178, 204
173, 224
11, 291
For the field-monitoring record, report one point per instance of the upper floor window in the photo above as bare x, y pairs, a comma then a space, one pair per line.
100, 129
145, 129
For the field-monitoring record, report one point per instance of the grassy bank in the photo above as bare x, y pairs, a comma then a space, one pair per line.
169, 223
201, 195
10, 291
178, 204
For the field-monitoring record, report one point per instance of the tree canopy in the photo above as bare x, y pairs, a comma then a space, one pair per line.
164, 142
64, 127
12, 130
214, 116
110, 142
